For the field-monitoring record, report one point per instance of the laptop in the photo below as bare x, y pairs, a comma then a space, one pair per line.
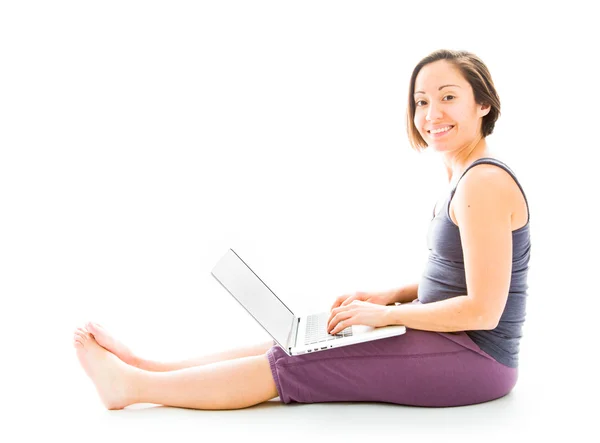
295, 335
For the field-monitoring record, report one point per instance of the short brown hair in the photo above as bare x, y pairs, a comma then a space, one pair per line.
475, 72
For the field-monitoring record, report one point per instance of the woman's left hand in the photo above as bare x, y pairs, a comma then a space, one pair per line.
357, 313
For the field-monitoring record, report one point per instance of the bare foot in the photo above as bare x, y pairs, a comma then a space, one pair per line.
111, 376
108, 342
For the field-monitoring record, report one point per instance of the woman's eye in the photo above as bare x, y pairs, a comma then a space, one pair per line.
423, 102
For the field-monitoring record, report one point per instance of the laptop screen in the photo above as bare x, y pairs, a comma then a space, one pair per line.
255, 296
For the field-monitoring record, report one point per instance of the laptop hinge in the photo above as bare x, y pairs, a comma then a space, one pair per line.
293, 333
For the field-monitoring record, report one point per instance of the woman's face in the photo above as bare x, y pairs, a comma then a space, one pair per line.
445, 104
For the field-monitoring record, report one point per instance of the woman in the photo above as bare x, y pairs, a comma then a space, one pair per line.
463, 318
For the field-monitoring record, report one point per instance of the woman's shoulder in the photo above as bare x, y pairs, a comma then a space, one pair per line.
491, 161
490, 181
491, 169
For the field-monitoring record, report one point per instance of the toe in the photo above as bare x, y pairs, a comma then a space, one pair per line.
94, 328
81, 335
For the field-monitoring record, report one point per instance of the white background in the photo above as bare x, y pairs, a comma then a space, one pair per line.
141, 140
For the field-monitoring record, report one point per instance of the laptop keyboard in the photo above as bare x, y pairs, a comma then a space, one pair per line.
316, 329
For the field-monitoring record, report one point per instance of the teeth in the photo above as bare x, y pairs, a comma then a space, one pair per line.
437, 131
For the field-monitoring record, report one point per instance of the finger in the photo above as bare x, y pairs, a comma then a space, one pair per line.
341, 325
334, 328
338, 301
330, 319
337, 328
349, 300
331, 322
334, 312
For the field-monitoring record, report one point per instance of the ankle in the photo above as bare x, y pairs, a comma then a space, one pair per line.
148, 365
132, 394
156, 366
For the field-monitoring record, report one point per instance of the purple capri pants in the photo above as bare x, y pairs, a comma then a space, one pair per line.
418, 368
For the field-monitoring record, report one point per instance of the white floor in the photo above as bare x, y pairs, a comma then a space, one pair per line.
53, 397
528, 411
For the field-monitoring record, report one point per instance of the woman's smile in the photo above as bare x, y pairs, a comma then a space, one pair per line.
441, 132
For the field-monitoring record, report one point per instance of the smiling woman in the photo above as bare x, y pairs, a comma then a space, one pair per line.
463, 318
450, 83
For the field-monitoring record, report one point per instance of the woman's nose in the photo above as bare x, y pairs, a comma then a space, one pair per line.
433, 113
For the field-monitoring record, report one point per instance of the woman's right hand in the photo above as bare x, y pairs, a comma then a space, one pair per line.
379, 298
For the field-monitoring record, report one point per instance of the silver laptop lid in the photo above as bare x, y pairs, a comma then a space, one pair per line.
255, 296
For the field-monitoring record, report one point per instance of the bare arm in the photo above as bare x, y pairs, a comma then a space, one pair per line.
460, 313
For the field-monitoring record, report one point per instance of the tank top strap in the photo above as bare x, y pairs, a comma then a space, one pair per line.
491, 161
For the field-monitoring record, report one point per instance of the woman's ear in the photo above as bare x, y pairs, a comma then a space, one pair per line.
484, 110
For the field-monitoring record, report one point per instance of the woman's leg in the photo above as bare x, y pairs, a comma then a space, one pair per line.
232, 354
110, 343
231, 384
419, 368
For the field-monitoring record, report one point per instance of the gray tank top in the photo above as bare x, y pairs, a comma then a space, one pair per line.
444, 277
